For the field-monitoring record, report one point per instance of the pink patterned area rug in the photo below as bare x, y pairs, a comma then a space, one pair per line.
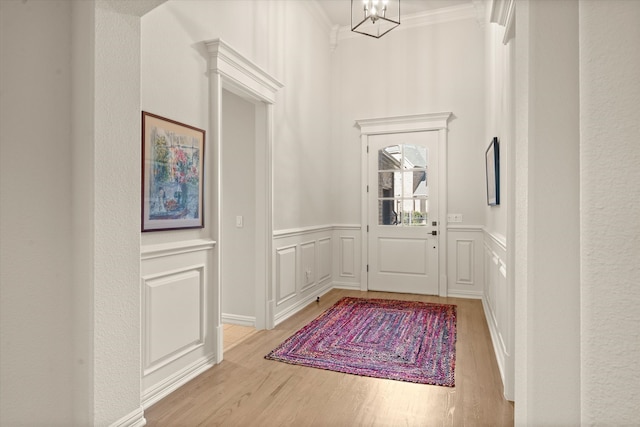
399, 340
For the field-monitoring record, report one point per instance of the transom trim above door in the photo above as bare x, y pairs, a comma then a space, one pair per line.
431, 259
401, 124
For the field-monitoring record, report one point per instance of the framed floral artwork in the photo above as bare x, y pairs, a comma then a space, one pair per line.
172, 174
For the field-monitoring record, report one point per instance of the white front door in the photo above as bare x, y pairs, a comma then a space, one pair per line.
403, 212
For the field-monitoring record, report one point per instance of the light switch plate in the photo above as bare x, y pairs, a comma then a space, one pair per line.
239, 221
454, 217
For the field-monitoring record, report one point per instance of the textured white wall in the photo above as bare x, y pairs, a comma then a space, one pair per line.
116, 215
83, 41
427, 69
70, 151
610, 205
36, 303
238, 198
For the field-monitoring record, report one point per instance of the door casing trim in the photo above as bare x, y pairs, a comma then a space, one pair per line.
403, 124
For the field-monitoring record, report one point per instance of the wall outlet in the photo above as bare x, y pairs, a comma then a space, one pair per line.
454, 217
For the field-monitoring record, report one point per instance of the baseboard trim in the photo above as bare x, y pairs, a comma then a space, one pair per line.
346, 285
457, 293
237, 319
132, 419
495, 339
293, 309
172, 383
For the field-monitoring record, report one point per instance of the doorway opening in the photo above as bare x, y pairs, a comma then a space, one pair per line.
239, 212
241, 100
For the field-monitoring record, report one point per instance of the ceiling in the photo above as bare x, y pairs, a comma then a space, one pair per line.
339, 11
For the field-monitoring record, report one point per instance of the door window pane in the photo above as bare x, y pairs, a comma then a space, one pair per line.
415, 184
388, 212
415, 212
389, 158
415, 156
403, 190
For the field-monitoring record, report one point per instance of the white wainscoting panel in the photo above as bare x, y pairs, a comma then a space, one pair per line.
174, 307
347, 257
325, 265
496, 298
308, 270
309, 261
465, 261
178, 334
464, 264
286, 273
347, 261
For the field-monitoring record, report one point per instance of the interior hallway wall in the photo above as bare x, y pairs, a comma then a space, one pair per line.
434, 68
289, 40
36, 303
70, 293
610, 207
547, 244
500, 119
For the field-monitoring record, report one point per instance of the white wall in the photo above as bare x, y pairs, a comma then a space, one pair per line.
498, 292
78, 325
610, 206
36, 304
238, 199
500, 119
116, 215
289, 41
433, 68
547, 245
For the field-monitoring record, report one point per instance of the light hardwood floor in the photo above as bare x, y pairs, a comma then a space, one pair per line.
235, 334
247, 390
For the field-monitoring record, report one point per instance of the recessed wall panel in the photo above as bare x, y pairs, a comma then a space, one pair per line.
308, 256
408, 256
347, 256
324, 259
464, 261
285, 273
174, 313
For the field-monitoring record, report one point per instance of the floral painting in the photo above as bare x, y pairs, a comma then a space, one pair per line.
172, 196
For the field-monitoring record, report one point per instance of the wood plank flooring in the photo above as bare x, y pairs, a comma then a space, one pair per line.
235, 334
247, 390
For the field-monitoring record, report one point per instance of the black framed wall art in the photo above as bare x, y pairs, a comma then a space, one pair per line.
492, 165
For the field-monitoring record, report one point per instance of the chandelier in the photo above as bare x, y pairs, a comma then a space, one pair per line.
374, 18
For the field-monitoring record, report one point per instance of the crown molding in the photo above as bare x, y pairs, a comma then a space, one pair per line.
422, 19
503, 12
